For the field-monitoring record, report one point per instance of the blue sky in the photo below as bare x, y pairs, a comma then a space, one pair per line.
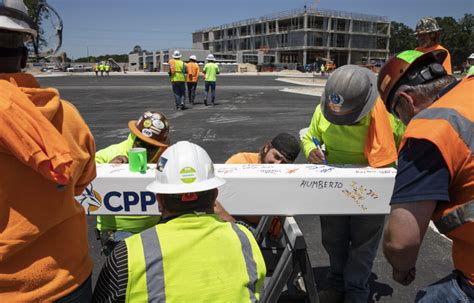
96, 27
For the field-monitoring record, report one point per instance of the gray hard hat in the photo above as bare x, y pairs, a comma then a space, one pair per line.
349, 94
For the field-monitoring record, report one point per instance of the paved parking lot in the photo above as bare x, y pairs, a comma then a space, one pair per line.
250, 110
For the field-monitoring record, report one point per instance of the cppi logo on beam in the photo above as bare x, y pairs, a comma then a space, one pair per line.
114, 201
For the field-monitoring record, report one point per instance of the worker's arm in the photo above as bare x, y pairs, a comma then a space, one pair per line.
112, 283
307, 144
421, 183
403, 236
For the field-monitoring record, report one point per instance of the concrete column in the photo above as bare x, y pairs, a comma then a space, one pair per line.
305, 59
154, 60
305, 42
349, 45
277, 57
388, 41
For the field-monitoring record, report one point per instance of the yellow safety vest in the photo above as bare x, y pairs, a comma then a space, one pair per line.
107, 68
101, 67
194, 258
178, 75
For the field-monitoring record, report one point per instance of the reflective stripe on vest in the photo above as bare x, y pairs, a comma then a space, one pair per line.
249, 262
460, 124
456, 218
155, 281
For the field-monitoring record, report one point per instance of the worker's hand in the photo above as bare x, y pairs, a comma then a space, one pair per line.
316, 157
404, 277
222, 213
119, 160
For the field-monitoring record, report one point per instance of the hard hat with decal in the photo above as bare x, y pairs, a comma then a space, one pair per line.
176, 54
184, 167
349, 95
151, 127
192, 57
427, 25
211, 57
409, 67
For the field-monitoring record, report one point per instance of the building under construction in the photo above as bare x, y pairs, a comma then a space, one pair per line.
300, 36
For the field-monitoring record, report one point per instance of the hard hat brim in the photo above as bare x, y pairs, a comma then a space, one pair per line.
7, 23
160, 188
176, 57
133, 128
357, 115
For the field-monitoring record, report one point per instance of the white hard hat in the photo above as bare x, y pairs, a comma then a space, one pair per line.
471, 56
184, 168
192, 57
14, 17
176, 54
210, 57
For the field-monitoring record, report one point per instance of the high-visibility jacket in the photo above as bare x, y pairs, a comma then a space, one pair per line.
470, 71
348, 144
448, 124
194, 258
107, 68
177, 69
101, 67
211, 69
96, 67
447, 61
133, 224
192, 69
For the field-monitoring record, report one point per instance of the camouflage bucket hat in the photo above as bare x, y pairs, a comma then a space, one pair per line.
427, 25
151, 127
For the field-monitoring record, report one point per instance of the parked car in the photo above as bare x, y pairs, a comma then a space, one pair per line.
79, 68
51, 68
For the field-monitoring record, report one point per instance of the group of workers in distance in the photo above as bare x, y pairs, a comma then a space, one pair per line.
196, 251
102, 67
182, 74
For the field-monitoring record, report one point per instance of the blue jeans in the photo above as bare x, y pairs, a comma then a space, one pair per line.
191, 91
351, 242
452, 288
179, 90
82, 294
212, 85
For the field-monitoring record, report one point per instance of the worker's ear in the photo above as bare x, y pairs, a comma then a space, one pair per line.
24, 57
161, 204
215, 193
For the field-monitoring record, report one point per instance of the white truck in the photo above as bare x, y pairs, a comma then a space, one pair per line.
79, 68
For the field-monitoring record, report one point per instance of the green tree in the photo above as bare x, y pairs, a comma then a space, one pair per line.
457, 37
401, 37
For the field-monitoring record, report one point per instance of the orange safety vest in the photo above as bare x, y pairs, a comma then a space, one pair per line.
193, 72
448, 123
447, 61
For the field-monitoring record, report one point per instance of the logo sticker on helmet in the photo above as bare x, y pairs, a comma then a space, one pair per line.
156, 116
147, 132
147, 123
188, 175
161, 164
158, 124
335, 102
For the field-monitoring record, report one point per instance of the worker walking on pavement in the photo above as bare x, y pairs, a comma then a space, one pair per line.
210, 70
96, 69
192, 77
191, 255
177, 75
102, 68
435, 176
428, 34
107, 69
355, 128
150, 131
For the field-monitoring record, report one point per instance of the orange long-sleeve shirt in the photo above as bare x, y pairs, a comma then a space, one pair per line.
193, 72
43, 232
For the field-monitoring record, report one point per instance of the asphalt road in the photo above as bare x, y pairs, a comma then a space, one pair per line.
250, 110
